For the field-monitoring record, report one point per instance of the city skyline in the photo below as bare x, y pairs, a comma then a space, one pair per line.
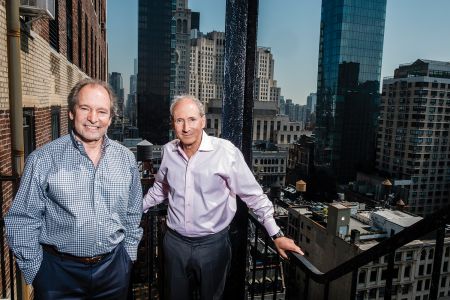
406, 39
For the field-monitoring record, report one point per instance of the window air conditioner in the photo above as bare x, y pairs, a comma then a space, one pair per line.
38, 8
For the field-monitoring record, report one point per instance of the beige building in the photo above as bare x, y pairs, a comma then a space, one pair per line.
324, 233
413, 134
268, 125
182, 17
265, 86
207, 66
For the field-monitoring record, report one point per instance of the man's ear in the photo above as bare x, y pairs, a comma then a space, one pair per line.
203, 121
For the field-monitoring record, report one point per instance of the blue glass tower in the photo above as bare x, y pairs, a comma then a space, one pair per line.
350, 52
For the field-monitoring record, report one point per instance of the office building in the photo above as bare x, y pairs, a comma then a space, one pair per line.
116, 82
156, 68
413, 134
332, 234
207, 66
182, 17
350, 52
265, 88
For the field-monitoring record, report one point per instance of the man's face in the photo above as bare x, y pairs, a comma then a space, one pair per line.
92, 115
188, 123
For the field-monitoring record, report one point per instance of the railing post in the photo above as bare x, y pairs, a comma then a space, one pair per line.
266, 248
252, 287
275, 285
326, 291
437, 262
354, 284
389, 275
306, 289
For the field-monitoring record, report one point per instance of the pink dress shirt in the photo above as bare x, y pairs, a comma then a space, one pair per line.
202, 190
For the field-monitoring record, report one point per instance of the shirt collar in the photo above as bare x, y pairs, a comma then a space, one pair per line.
205, 145
79, 145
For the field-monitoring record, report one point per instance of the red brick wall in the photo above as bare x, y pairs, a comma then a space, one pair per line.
96, 18
63, 121
6, 187
43, 126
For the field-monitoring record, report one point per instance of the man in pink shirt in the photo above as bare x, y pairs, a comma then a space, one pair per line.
201, 177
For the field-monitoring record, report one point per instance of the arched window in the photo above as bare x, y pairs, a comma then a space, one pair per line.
362, 277
423, 254
184, 26
179, 25
431, 253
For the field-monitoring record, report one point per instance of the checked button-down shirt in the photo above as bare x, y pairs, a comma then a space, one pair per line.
65, 201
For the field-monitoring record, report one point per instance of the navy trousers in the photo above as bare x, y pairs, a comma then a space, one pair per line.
62, 278
197, 264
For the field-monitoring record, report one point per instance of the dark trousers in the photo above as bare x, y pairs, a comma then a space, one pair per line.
196, 264
62, 278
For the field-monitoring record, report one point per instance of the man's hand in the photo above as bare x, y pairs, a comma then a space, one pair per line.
286, 244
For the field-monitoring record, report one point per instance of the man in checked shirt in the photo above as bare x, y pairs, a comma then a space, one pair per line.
201, 177
74, 223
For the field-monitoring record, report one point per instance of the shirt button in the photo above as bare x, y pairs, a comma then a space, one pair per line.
99, 243
100, 223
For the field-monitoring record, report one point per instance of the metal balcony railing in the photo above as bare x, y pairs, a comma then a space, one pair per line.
268, 277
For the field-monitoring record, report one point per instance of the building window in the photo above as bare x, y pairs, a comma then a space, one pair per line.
80, 34
373, 275
28, 131
86, 44
55, 122
69, 31
53, 26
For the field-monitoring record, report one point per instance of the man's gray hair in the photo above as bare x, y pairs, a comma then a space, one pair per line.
72, 99
200, 106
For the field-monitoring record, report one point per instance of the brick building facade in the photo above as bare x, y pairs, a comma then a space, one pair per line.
55, 54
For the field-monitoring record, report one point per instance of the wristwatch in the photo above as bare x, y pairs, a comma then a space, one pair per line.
277, 235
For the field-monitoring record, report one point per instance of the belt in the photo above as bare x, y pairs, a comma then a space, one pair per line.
85, 260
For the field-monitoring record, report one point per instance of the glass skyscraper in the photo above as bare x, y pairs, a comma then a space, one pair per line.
350, 53
156, 68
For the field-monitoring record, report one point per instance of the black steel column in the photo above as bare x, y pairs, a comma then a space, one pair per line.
237, 120
250, 62
437, 262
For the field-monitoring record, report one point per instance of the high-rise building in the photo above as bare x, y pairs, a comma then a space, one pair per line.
311, 101
195, 20
413, 134
207, 66
116, 82
182, 17
156, 68
131, 109
350, 51
265, 86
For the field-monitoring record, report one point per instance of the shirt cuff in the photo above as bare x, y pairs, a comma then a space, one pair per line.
131, 250
271, 226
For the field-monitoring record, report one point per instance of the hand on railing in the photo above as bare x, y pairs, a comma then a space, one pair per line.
284, 244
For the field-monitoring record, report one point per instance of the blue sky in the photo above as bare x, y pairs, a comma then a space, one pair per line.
414, 29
